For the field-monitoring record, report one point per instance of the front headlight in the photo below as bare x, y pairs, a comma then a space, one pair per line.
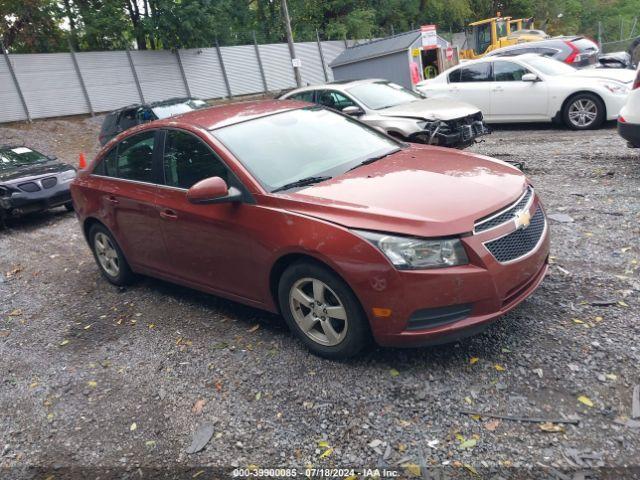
67, 176
409, 253
617, 88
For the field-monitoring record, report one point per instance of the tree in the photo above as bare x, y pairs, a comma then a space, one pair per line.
32, 26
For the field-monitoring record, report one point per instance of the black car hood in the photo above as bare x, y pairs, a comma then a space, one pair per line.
33, 170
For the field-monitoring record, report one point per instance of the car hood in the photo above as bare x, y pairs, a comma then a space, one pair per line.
421, 190
617, 74
34, 170
431, 109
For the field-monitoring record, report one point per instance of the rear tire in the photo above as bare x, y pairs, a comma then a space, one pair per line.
322, 311
109, 257
583, 111
69, 206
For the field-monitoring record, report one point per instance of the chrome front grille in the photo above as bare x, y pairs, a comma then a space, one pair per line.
503, 216
518, 243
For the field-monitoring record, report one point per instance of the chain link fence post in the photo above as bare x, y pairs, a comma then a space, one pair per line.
82, 84
324, 64
15, 81
182, 72
135, 75
260, 66
224, 70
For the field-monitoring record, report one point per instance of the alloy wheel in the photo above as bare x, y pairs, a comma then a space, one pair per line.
318, 311
107, 254
583, 112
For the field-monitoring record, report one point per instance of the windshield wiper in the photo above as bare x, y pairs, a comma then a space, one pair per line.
303, 182
373, 159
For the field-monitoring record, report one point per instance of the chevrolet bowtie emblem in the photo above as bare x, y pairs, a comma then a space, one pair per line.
522, 219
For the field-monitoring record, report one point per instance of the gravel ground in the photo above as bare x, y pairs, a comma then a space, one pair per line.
96, 376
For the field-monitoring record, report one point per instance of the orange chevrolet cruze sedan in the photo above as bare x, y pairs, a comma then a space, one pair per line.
350, 234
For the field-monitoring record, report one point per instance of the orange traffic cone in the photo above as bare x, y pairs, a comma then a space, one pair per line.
82, 161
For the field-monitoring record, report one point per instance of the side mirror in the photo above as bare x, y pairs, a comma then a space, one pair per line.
213, 190
353, 111
52, 157
530, 77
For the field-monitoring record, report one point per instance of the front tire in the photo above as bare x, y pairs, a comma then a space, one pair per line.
322, 311
583, 111
109, 256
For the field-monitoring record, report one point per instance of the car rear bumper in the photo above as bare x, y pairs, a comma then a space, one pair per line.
630, 132
443, 305
22, 203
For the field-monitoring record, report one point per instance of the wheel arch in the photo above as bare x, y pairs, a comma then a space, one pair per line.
579, 92
88, 223
288, 259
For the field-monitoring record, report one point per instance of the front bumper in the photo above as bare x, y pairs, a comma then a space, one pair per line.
21, 203
630, 132
456, 133
443, 305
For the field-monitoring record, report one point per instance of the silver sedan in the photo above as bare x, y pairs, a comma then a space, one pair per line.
399, 112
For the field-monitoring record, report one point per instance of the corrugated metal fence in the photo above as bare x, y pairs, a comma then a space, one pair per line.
56, 84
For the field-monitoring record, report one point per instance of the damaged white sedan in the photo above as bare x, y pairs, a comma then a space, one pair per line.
399, 112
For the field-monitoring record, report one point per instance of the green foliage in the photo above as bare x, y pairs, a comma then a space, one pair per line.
48, 25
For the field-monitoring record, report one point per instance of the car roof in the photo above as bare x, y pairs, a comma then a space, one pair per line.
224, 115
338, 85
159, 103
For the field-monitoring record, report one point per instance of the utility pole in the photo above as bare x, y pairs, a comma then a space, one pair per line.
292, 48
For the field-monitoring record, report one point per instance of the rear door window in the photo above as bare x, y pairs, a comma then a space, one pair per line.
480, 72
128, 119
187, 160
454, 77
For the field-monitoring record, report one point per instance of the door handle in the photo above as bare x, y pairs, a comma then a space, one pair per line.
112, 200
168, 214
498, 89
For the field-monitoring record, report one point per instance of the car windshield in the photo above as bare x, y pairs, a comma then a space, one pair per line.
381, 95
287, 147
19, 156
548, 66
166, 111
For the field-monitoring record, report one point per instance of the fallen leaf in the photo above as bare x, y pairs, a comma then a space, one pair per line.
491, 425
473, 360
326, 453
254, 328
197, 474
152, 325
611, 376
15, 313
505, 350
622, 303
470, 468
468, 444
586, 400
323, 444
92, 383
87, 327
578, 321
551, 427
198, 406
64, 342
499, 368
393, 372
413, 469
133, 427
5, 333
258, 395
468, 400
150, 443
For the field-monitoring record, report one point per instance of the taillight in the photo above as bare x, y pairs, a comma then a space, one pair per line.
574, 56
636, 84
621, 119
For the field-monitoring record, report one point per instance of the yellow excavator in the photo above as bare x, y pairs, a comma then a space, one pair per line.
491, 33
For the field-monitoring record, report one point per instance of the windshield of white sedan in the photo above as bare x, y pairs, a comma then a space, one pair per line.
285, 148
18, 157
548, 66
381, 95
